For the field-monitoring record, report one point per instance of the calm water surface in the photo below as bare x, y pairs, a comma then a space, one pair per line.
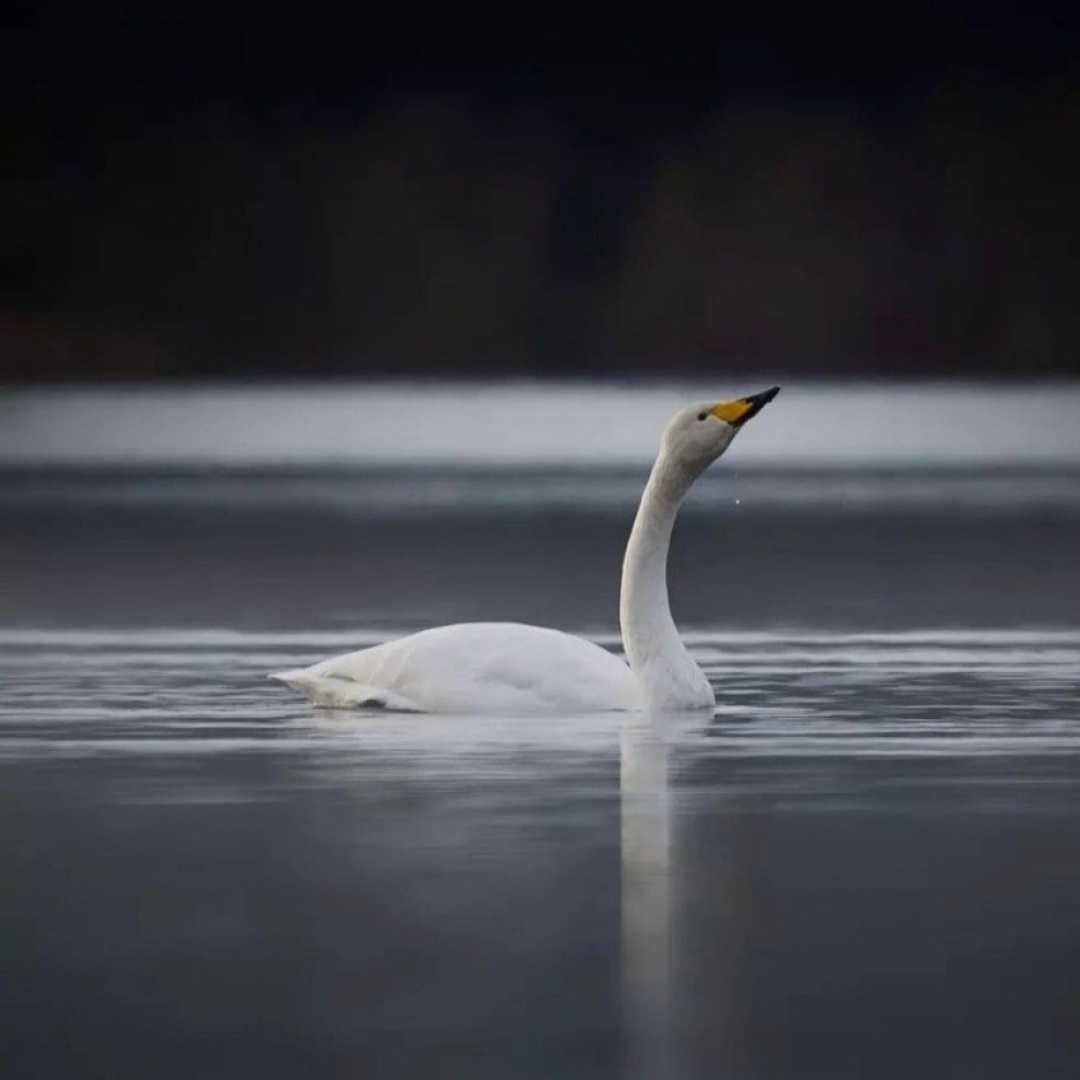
865, 863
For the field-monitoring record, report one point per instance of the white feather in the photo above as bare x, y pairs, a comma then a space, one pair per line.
475, 667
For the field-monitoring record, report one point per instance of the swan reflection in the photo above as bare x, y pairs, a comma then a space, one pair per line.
646, 894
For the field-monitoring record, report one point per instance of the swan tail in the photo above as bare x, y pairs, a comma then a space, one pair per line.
335, 692
297, 679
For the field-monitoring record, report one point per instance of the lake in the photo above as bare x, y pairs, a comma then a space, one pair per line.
866, 862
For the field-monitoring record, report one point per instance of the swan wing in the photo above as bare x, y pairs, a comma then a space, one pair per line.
471, 667
336, 692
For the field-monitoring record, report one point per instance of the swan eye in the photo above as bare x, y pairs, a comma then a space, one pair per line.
702, 415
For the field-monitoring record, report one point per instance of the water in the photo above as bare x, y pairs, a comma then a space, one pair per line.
523, 423
866, 863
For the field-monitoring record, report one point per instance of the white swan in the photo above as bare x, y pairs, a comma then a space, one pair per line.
508, 667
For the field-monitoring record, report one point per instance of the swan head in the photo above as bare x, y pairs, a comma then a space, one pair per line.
700, 433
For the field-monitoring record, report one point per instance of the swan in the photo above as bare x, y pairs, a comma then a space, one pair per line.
509, 667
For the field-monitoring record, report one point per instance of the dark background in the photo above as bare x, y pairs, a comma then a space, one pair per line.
192, 191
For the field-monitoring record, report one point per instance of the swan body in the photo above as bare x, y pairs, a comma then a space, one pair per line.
508, 667
474, 667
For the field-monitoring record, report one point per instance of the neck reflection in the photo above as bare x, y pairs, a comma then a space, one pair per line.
646, 894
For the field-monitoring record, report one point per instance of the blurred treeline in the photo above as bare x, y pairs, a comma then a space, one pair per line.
935, 236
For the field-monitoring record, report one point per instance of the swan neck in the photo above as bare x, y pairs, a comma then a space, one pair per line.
664, 669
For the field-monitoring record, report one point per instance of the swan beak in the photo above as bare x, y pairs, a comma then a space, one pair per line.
740, 410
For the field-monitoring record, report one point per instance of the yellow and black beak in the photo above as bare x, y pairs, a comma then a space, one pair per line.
740, 410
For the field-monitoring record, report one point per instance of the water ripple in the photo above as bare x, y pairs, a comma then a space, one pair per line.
792, 692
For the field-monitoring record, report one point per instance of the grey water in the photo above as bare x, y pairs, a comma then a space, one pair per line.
866, 862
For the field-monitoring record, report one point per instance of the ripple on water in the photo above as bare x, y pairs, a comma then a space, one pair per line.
794, 692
